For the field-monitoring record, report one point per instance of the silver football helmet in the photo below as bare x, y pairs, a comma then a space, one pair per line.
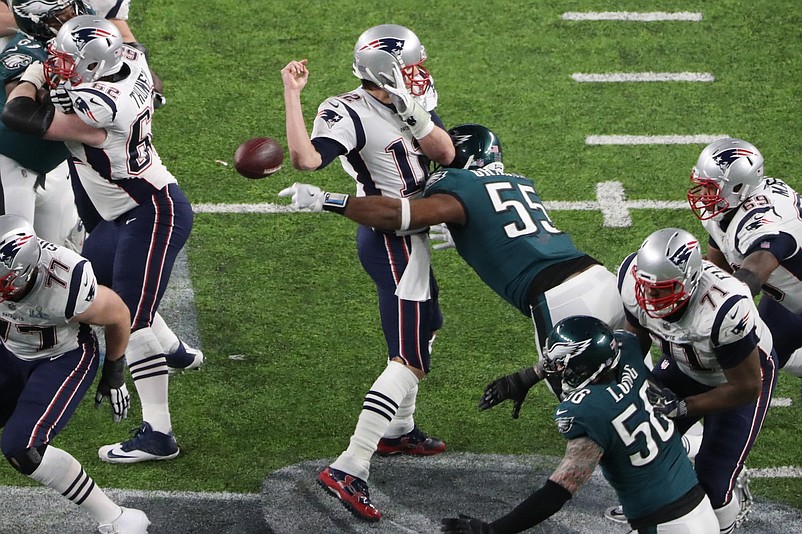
382, 47
726, 173
669, 266
85, 49
19, 255
41, 19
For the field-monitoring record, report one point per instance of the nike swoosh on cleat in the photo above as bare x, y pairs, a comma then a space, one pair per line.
112, 454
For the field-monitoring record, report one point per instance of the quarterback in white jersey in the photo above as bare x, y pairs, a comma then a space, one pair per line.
385, 133
108, 131
717, 363
755, 229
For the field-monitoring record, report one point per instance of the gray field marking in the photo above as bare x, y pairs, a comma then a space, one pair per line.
412, 493
415, 493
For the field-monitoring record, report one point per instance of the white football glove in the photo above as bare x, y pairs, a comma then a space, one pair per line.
112, 386
60, 99
408, 107
35, 74
440, 232
304, 196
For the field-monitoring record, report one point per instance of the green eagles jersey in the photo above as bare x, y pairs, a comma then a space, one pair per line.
508, 237
32, 152
644, 460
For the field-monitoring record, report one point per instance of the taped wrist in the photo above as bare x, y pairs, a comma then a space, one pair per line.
750, 279
26, 115
114, 372
334, 202
419, 121
536, 508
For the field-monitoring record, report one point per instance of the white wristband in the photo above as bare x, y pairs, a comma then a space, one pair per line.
405, 214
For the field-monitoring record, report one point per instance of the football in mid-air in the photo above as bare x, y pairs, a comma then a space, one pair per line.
258, 157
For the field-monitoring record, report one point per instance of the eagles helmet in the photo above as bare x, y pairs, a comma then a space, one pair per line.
19, 254
41, 19
580, 349
476, 147
382, 47
669, 266
85, 49
726, 173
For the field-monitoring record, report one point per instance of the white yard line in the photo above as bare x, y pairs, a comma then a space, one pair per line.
616, 77
702, 139
631, 16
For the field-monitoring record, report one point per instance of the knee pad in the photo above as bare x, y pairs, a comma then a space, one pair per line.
27, 461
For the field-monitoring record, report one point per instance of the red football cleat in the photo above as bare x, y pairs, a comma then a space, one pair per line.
352, 492
414, 443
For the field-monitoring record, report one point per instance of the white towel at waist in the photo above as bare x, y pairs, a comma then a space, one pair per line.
414, 283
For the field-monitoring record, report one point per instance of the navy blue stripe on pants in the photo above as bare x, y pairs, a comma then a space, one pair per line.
142, 251
729, 435
408, 325
38, 398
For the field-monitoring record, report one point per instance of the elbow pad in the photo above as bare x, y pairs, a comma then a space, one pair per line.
26, 115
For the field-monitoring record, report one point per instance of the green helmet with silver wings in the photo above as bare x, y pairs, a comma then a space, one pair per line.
580, 349
476, 147
41, 19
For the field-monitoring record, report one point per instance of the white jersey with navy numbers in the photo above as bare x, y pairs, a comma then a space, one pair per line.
125, 170
770, 219
382, 155
38, 325
718, 328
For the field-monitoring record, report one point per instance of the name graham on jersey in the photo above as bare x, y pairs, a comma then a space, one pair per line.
142, 89
628, 376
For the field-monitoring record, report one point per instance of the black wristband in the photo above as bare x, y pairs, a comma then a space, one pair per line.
335, 202
529, 377
750, 279
114, 372
536, 508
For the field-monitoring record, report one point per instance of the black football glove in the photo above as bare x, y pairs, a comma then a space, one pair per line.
514, 386
666, 402
465, 525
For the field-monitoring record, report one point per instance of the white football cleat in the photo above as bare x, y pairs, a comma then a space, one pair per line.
146, 444
131, 521
615, 514
745, 498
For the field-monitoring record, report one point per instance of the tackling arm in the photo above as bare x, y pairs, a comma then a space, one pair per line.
438, 146
582, 455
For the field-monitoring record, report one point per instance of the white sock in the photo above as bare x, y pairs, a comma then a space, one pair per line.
60, 471
794, 363
167, 338
148, 367
403, 421
379, 408
692, 440
727, 514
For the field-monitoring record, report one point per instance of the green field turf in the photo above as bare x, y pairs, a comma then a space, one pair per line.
287, 292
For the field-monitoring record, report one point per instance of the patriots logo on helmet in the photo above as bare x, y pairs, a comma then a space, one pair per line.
82, 36
727, 157
10, 250
391, 45
331, 117
16, 61
682, 254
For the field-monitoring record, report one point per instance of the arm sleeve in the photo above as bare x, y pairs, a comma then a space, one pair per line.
536, 508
